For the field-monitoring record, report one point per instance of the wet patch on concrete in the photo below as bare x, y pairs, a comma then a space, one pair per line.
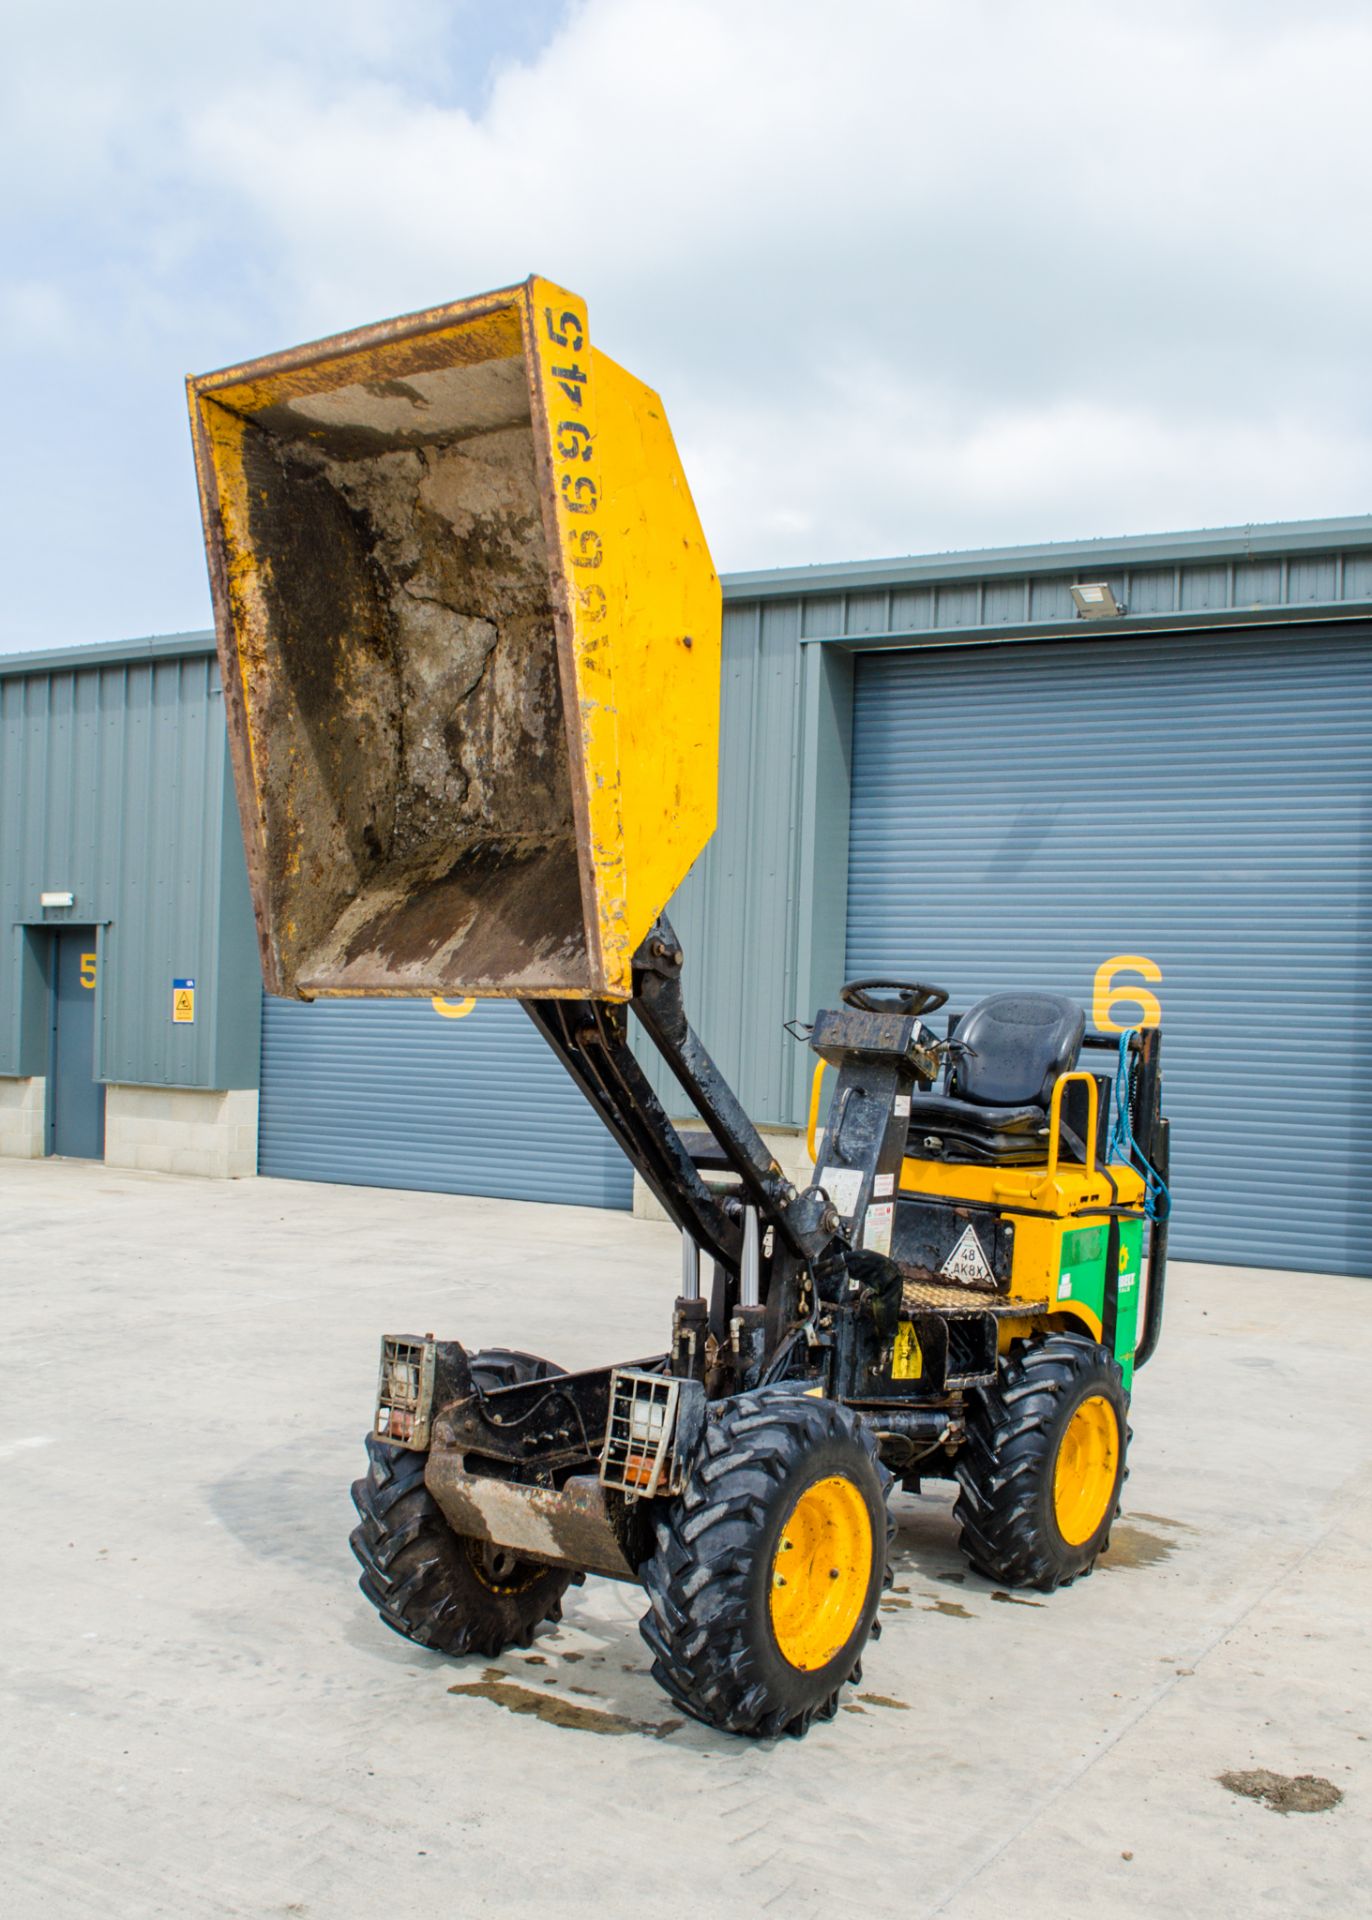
1134, 1546
1161, 1520
559, 1712
893, 1606
1283, 1792
952, 1608
943, 1579
885, 1700
1013, 1599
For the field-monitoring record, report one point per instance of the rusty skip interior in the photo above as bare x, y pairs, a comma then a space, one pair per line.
401, 685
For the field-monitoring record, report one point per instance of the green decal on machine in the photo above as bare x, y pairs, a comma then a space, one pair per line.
1131, 1285
1083, 1247
1081, 1270
1081, 1279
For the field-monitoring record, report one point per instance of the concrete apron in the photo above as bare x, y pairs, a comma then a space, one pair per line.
203, 1717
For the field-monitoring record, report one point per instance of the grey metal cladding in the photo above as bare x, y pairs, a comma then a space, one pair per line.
113, 785
1076, 559
770, 890
391, 1093
1022, 814
1325, 581
736, 913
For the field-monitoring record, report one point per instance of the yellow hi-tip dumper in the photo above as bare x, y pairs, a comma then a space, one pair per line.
470, 638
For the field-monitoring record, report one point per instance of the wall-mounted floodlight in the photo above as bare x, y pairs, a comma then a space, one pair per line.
57, 899
1095, 600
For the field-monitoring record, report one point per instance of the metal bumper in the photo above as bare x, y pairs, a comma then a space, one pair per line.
581, 1524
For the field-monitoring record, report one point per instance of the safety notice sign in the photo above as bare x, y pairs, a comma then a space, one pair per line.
183, 1003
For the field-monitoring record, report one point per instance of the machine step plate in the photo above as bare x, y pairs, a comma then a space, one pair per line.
947, 1296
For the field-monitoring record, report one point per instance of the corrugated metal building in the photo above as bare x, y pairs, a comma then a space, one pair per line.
933, 766
132, 1018
121, 874
936, 767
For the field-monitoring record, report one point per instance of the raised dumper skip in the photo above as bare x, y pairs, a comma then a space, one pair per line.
470, 632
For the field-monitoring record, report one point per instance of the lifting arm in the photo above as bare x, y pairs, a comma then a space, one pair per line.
590, 1038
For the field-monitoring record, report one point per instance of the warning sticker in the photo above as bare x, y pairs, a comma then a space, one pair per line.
883, 1186
876, 1228
968, 1262
900, 1107
907, 1358
844, 1187
183, 1003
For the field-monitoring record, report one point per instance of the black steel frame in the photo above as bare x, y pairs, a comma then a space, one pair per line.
806, 1255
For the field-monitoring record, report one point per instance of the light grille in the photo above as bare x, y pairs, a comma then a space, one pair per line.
405, 1390
638, 1455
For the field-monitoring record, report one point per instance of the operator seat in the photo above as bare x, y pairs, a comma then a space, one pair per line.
994, 1108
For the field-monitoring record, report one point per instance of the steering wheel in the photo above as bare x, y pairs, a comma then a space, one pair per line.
910, 997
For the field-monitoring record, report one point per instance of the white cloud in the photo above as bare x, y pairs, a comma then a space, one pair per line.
910, 273
910, 473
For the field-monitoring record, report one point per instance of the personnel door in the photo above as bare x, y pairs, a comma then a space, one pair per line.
76, 1099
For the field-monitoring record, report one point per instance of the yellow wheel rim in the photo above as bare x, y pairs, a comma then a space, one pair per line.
1084, 1476
821, 1572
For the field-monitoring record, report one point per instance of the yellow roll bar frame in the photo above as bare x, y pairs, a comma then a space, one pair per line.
1060, 1086
812, 1129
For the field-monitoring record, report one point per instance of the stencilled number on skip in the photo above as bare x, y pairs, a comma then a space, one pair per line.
578, 485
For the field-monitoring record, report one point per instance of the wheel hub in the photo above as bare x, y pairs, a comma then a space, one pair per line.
1084, 1474
500, 1569
820, 1572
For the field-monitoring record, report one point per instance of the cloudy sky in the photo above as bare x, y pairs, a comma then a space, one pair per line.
909, 275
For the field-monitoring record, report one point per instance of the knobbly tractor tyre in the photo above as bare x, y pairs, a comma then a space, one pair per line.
1040, 1474
767, 1569
436, 1587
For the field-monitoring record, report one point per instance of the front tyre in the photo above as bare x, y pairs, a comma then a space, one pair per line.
433, 1586
1040, 1474
764, 1583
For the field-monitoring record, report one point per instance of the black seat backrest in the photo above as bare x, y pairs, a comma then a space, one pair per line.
1020, 1043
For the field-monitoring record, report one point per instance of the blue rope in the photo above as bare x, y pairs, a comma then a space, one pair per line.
1123, 1146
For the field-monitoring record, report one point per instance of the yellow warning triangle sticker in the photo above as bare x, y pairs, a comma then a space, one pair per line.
968, 1262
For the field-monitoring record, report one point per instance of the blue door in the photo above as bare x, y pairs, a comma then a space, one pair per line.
463, 1098
76, 1099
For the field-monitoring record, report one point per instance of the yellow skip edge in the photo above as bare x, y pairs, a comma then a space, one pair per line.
643, 604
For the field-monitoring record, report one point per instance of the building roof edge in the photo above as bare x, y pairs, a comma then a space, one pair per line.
1256, 540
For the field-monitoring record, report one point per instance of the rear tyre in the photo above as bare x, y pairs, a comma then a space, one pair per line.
436, 1587
764, 1583
1041, 1471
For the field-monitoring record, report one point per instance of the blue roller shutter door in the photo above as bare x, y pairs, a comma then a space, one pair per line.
1022, 813
390, 1093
